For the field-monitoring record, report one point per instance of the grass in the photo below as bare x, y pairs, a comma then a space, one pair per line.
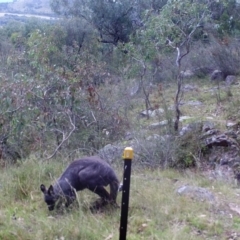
216, 104
156, 211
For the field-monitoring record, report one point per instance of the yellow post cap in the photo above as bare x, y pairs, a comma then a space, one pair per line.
128, 153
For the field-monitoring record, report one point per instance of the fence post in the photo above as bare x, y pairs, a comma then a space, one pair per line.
127, 156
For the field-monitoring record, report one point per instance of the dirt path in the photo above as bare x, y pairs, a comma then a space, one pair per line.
2, 14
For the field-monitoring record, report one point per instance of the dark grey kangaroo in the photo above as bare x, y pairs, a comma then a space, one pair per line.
92, 173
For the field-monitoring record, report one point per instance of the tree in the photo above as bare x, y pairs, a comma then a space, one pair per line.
114, 20
226, 17
172, 29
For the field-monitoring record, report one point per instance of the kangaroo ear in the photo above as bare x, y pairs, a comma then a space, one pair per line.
43, 188
51, 190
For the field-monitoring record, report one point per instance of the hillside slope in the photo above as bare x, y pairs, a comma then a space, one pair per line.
29, 6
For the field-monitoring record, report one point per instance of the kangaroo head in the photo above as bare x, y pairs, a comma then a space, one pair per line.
49, 196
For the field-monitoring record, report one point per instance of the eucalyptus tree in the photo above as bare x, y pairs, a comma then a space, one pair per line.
172, 29
225, 13
114, 20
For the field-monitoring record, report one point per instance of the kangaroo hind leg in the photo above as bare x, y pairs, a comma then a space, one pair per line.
114, 186
102, 192
105, 198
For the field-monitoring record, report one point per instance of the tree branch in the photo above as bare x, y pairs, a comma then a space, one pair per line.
147, 101
65, 137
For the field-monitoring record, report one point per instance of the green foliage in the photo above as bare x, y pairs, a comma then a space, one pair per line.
47, 87
112, 19
190, 149
226, 17
78, 32
179, 152
12, 27
45, 47
232, 111
171, 27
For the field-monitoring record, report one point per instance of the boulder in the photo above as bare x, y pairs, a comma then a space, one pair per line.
158, 124
147, 113
221, 140
187, 74
200, 127
197, 193
111, 152
152, 113
217, 75
234, 125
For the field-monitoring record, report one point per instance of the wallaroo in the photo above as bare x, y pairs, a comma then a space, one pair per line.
90, 173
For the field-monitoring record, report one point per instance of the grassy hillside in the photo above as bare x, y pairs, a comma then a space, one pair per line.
73, 98
30, 6
156, 210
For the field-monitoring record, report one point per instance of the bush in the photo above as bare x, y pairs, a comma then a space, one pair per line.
167, 151
227, 57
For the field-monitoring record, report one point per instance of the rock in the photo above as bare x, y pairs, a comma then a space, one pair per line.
189, 87
207, 125
183, 118
134, 88
152, 113
191, 127
217, 75
146, 113
193, 103
231, 134
233, 125
197, 193
185, 130
111, 152
157, 112
210, 132
210, 118
158, 124
187, 74
230, 79
221, 140
206, 128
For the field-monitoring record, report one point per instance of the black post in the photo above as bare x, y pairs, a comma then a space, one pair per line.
127, 156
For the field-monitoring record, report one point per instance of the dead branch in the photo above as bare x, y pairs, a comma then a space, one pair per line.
65, 137
145, 92
94, 120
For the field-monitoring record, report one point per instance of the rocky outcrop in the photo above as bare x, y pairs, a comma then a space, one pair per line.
216, 149
197, 193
